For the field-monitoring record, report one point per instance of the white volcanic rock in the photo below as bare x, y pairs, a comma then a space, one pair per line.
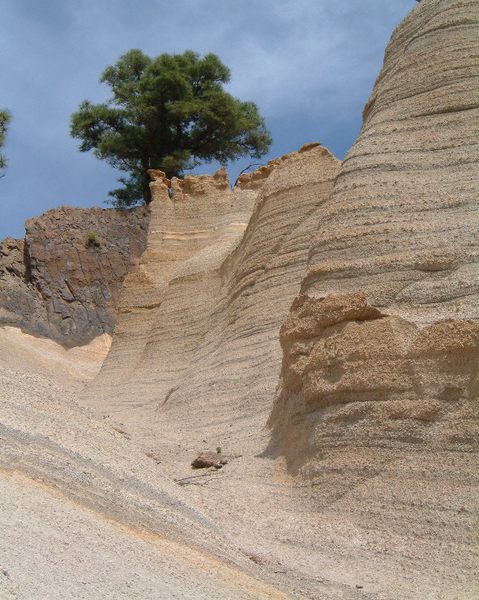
195, 345
402, 223
368, 485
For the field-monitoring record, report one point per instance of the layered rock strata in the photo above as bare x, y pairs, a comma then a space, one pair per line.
200, 315
386, 326
378, 401
195, 345
402, 223
63, 280
376, 412
354, 376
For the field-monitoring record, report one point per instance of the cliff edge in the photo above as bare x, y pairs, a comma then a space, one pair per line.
378, 400
63, 280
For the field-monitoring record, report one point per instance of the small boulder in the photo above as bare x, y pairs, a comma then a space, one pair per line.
205, 460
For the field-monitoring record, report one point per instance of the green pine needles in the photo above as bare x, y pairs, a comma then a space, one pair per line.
170, 113
4, 121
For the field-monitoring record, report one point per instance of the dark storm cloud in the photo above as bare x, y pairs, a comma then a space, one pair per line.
308, 64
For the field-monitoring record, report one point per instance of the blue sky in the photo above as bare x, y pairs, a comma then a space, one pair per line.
308, 64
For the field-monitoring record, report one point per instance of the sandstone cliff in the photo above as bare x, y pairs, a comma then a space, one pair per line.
386, 327
195, 361
366, 483
378, 398
200, 315
378, 404
63, 280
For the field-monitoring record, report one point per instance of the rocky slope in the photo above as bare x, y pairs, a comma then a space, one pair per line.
86, 514
63, 280
366, 483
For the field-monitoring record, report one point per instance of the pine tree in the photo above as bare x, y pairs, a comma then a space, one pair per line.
4, 121
170, 113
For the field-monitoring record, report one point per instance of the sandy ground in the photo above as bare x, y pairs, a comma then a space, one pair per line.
93, 507
85, 514
53, 548
72, 366
402, 529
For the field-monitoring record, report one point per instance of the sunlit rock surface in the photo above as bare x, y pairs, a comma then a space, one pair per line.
378, 404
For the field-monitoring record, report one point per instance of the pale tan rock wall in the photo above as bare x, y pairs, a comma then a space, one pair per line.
187, 218
402, 225
201, 314
376, 411
399, 237
378, 402
355, 377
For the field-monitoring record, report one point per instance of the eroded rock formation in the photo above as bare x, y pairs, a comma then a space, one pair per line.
354, 376
381, 345
366, 486
63, 280
378, 402
201, 313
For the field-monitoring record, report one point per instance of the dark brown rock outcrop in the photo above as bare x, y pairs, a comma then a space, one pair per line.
63, 280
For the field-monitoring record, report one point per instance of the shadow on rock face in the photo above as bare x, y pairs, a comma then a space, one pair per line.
353, 376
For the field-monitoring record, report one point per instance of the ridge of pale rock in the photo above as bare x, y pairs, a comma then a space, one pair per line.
403, 221
200, 314
195, 344
63, 280
400, 228
378, 400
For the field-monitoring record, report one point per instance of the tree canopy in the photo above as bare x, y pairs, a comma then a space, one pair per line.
4, 121
170, 113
